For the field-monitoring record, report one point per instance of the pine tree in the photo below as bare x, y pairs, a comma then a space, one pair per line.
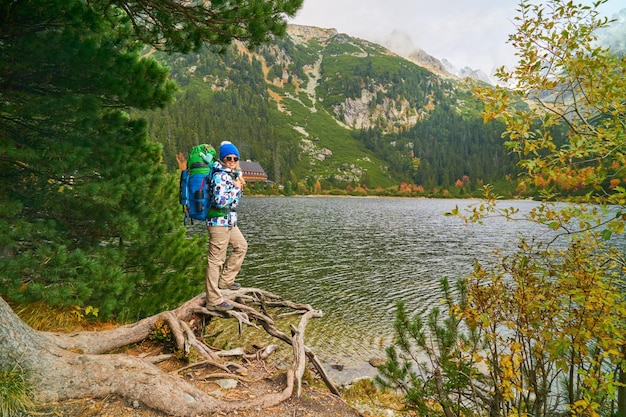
89, 214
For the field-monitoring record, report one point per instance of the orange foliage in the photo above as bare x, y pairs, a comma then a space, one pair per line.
404, 187
540, 181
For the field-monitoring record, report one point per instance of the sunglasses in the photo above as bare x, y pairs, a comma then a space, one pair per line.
231, 158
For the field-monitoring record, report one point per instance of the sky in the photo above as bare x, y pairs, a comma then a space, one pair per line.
470, 33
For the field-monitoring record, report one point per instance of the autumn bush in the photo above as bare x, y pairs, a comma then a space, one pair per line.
540, 332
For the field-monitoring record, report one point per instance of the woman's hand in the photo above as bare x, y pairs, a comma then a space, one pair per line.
239, 182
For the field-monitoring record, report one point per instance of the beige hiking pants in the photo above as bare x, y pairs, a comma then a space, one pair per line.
221, 272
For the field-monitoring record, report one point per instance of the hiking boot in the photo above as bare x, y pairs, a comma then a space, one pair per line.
224, 305
233, 286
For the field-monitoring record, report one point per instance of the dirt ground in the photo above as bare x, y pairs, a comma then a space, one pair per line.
262, 378
313, 403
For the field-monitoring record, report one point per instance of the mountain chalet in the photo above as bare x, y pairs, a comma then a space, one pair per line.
252, 171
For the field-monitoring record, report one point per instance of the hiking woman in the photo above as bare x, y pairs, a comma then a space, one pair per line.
226, 189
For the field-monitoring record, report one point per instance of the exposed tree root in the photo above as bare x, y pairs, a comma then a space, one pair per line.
78, 365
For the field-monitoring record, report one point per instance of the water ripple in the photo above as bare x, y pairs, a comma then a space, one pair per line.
355, 258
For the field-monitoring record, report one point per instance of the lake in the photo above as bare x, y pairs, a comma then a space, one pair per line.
354, 258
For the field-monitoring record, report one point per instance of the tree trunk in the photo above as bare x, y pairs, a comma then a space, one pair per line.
70, 366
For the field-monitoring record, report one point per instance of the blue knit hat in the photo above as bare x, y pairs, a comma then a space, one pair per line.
227, 148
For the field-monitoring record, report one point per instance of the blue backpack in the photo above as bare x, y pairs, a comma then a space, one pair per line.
195, 183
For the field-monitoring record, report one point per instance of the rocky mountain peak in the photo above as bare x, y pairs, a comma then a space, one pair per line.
400, 43
311, 32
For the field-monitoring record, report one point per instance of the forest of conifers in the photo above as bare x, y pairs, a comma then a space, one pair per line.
385, 120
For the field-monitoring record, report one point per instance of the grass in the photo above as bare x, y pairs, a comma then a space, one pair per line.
40, 316
368, 399
14, 392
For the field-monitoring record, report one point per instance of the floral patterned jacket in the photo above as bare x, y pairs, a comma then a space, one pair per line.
224, 197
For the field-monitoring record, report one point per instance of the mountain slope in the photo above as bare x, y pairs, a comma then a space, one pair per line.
322, 106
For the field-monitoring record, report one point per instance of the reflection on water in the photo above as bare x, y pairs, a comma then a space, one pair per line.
354, 258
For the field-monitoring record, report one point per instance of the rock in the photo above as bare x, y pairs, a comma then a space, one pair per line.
376, 362
227, 383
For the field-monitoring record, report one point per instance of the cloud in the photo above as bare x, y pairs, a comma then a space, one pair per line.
614, 36
463, 32
466, 32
